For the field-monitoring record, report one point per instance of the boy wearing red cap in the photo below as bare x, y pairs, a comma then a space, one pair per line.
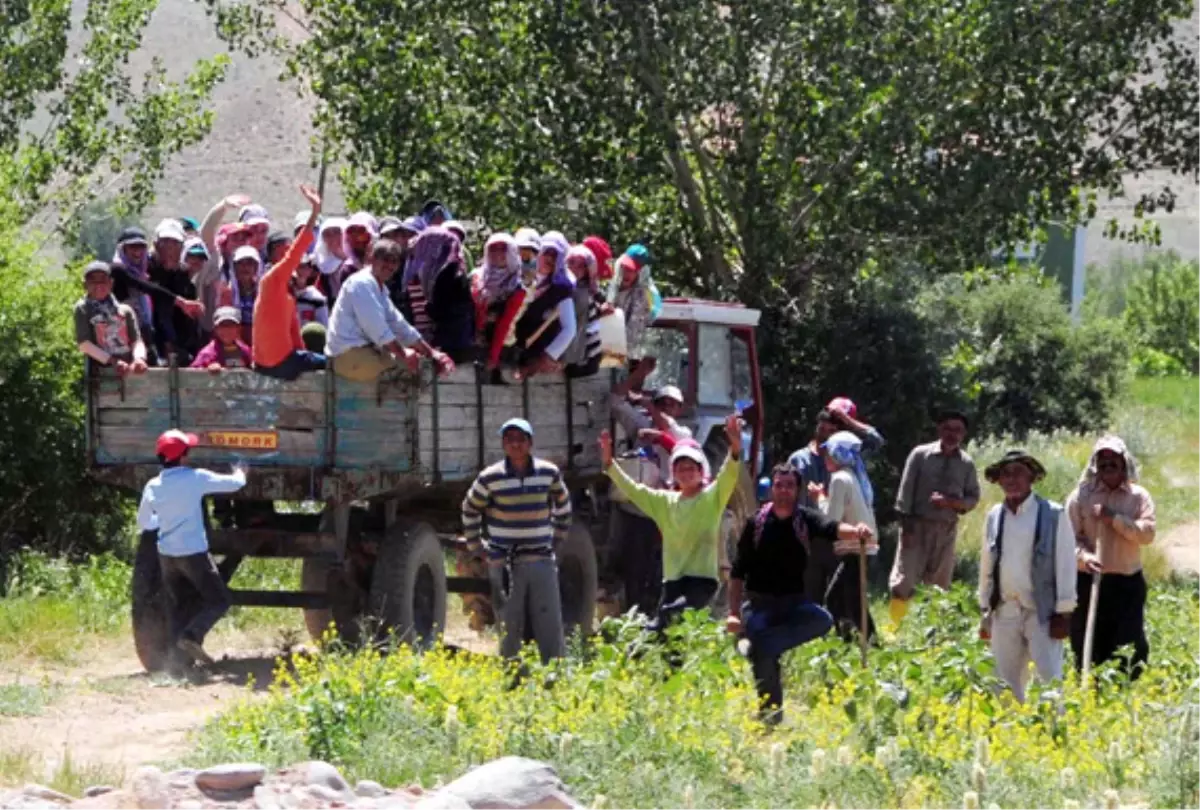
172, 506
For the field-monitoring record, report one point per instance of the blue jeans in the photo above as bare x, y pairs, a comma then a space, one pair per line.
296, 364
774, 625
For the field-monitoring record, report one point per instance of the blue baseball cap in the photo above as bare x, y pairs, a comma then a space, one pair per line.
519, 424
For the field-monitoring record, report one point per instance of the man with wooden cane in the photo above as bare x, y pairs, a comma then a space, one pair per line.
1113, 518
1026, 575
781, 589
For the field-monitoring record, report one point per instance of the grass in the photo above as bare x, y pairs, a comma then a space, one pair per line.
20, 766
25, 700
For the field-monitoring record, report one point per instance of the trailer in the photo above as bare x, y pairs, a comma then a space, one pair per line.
362, 482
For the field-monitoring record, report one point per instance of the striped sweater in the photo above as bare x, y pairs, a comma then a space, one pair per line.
526, 512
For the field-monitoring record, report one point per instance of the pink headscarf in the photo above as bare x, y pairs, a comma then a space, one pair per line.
435, 248
500, 281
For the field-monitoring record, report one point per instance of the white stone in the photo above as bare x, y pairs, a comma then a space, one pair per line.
511, 782
442, 800
322, 773
265, 798
149, 788
231, 776
326, 794
369, 790
183, 778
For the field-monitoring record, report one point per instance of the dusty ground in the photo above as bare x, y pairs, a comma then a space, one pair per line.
1182, 547
109, 715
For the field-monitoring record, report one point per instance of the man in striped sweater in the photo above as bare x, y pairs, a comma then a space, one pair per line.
526, 509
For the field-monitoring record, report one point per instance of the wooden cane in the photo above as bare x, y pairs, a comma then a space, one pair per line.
1089, 633
862, 598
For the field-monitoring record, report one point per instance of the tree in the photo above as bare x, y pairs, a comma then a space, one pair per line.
756, 142
69, 132
72, 126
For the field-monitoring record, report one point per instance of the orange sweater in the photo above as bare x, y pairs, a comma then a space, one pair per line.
276, 327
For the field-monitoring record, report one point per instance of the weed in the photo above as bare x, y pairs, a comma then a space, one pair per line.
25, 700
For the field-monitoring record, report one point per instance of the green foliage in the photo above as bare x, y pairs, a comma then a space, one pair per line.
1024, 366
46, 497
1163, 316
100, 223
753, 143
617, 720
96, 130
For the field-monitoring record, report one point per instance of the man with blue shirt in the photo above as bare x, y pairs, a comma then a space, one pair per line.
172, 505
526, 508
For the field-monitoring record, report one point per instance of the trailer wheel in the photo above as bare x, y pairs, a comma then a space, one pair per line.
151, 623
577, 583
408, 588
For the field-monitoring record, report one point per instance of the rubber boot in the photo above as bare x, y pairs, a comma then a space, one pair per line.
896, 610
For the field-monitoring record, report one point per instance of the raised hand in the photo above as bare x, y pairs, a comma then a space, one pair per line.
237, 200
733, 432
314, 199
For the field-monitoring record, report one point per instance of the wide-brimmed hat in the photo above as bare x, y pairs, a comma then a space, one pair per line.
992, 473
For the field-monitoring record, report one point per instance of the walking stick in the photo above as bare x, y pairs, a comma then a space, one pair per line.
862, 598
1089, 633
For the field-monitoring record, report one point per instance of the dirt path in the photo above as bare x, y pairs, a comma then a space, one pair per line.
109, 716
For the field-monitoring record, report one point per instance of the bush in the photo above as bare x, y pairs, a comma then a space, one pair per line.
1163, 315
616, 719
1010, 344
46, 499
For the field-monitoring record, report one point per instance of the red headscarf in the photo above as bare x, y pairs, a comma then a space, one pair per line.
603, 254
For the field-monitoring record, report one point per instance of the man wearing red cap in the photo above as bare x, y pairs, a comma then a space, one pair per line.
172, 506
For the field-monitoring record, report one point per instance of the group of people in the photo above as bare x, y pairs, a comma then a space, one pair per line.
360, 295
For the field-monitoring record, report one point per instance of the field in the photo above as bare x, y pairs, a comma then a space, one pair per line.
922, 726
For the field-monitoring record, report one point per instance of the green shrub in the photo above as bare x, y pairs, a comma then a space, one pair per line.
1010, 343
1163, 314
46, 498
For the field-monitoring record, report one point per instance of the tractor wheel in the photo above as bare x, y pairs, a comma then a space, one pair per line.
408, 587
577, 583
347, 600
151, 621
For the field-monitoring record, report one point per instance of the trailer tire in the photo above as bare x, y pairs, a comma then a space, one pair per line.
577, 580
345, 596
408, 587
150, 607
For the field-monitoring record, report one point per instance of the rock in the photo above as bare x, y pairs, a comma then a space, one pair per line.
150, 788
442, 800
232, 777
265, 798
322, 773
190, 804
98, 790
324, 793
367, 789
183, 778
46, 794
511, 782
113, 800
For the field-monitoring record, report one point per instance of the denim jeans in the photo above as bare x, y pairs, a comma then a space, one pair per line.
296, 364
774, 625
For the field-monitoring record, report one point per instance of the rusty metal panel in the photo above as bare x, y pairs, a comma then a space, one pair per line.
274, 542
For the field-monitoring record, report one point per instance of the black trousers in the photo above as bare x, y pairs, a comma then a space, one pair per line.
638, 550
1120, 620
678, 595
844, 601
189, 581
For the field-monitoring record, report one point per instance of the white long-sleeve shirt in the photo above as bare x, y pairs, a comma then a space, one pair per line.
364, 315
1016, 559
566, 319
172, 504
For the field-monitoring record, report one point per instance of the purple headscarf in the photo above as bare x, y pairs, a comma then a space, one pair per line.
554, 240
435, 248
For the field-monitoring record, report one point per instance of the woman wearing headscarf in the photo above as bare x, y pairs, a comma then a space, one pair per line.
851, 500
547, 328
632, 291
439, 293
582, 358
499, 297
360, 232
242, 292
330, 250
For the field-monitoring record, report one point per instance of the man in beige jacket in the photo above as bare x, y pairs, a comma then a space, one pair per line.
1113, 518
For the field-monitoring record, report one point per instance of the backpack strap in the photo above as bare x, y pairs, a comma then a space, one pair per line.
760, 521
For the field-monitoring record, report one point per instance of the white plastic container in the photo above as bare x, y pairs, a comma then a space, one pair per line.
613, 350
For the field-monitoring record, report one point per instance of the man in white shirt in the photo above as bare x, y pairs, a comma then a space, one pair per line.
172, 505
1026, 575
367, 334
